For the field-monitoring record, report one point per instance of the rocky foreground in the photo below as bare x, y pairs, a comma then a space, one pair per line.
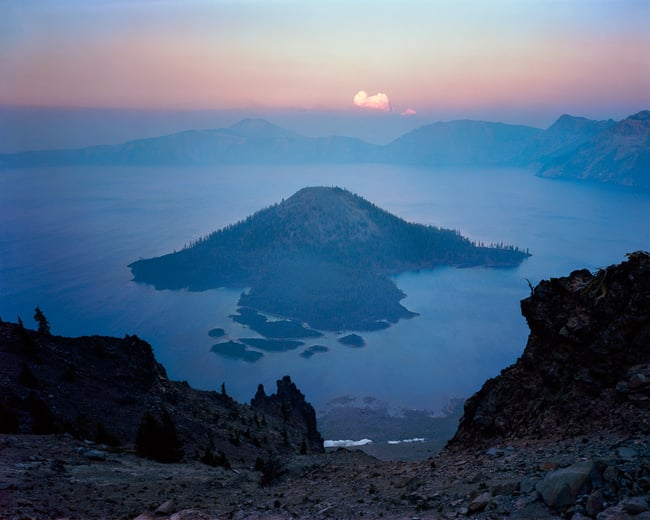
563, 433
605, 477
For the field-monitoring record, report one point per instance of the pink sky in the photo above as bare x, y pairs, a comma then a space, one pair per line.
424, 56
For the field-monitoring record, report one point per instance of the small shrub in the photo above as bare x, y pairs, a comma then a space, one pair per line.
98, 349
213, 459
259, 464
69, 374
26, 377
272, 469
8, 419
234, 439
103, 437
28, 345
42, 419
158, 440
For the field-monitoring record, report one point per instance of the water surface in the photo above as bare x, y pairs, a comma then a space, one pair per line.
68, 234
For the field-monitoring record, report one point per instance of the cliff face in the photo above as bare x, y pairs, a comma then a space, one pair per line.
586, 366
101, 388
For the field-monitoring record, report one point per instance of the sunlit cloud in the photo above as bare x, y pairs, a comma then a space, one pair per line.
377, 102
408, 112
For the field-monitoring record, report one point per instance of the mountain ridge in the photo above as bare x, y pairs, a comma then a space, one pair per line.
461, 143
250, 141
618, 154
572, 147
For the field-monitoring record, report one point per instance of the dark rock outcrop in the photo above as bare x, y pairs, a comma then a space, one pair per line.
113, 391
586, 366
289, 403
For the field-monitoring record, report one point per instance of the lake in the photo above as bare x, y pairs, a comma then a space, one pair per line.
68, 234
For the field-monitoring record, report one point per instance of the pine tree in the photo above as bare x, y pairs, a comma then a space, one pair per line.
41, 320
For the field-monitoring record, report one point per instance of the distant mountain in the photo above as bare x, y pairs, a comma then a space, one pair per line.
248, 142
562, 138
463, 143
573, 147
619, 154
320, 257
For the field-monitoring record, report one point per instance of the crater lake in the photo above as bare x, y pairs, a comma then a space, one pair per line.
67, 236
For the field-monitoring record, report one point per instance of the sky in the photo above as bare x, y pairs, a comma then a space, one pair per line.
514, 60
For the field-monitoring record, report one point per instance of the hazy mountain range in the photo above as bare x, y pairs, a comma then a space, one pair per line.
572, 147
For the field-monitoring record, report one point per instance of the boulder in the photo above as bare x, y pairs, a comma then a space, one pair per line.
634, 505
166, 508
480, 502
561, 487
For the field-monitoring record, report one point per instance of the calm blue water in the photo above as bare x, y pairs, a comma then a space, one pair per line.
67, 235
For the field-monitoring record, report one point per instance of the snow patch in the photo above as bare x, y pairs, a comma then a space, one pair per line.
346, 443
416, 439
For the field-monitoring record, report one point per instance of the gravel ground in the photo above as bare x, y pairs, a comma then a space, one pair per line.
48, 477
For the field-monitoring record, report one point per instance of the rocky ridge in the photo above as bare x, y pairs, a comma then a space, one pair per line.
102, 389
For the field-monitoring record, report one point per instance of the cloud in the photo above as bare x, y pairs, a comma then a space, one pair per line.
408, 112
377, 102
